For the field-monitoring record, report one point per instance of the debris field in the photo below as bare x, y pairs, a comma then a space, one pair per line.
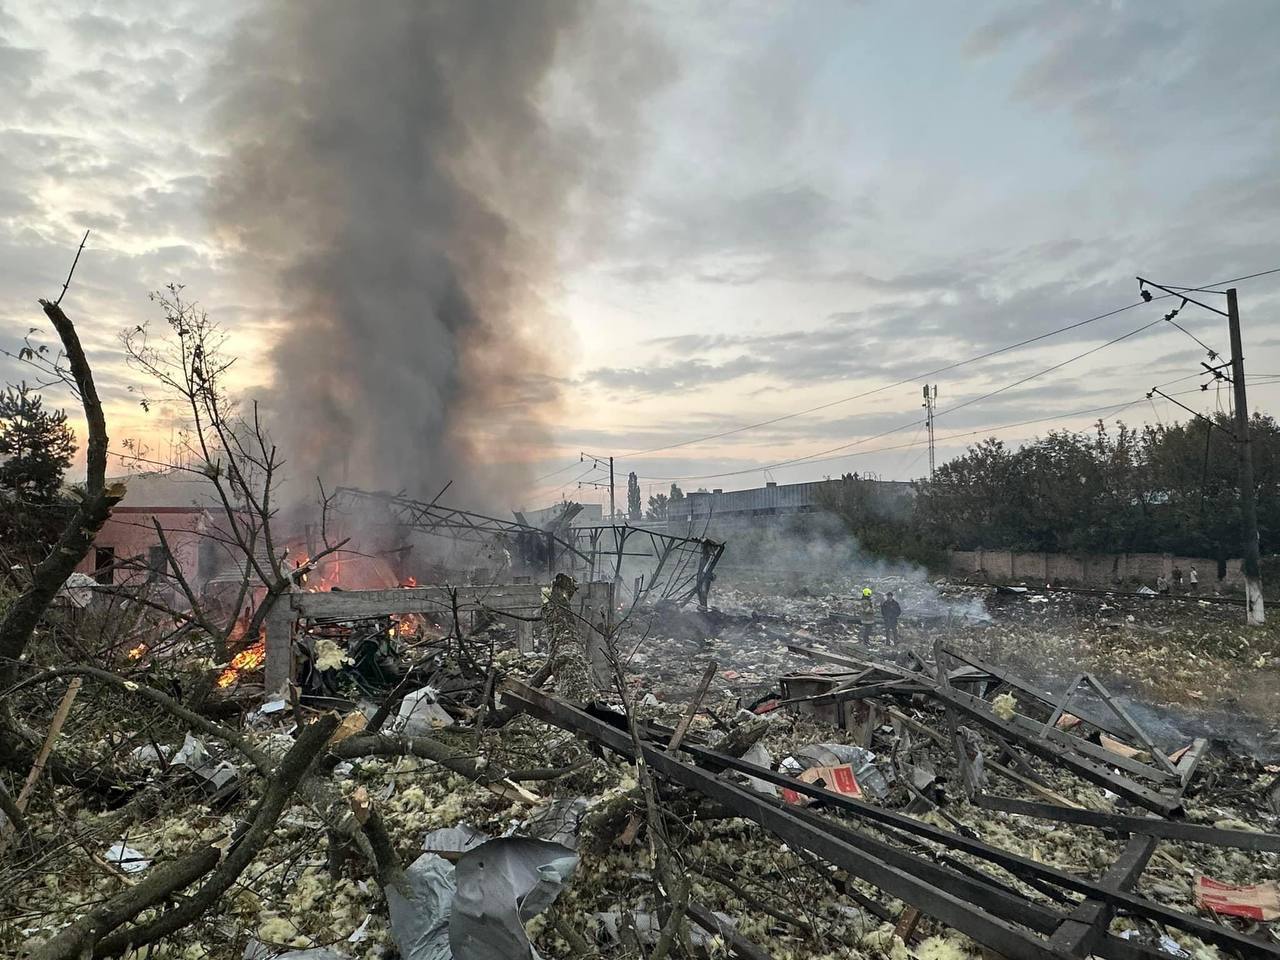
1023, 774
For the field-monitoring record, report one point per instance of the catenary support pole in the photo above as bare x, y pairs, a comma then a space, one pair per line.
1255, 615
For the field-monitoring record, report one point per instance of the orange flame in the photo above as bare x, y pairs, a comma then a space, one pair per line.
136, 652
250, 658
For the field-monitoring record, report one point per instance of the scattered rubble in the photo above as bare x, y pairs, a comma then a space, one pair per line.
827, 798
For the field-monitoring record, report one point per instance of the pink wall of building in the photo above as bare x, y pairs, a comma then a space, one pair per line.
130, 534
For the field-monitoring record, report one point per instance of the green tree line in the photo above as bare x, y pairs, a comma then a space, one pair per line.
1114, 489
1159, 488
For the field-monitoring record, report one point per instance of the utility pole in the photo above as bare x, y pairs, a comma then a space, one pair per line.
930, 402
612, 512
1254, 613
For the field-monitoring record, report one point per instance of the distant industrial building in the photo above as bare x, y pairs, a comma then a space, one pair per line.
772, 500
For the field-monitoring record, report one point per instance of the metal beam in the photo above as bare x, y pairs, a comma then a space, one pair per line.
1025, 686
1064, 755
1146, 826
1000, 935
358, 604
791, 827
1084, 929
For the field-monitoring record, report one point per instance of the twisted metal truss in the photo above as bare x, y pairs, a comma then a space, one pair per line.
677, 569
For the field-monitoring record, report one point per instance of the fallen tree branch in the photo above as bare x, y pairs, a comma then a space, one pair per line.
55, 728
244, 846
17, 821
493, 779
37, 768
723, 878
74, 941
740, 945
203, 724
19, 621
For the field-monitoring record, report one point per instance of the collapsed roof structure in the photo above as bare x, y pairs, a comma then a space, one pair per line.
648, 565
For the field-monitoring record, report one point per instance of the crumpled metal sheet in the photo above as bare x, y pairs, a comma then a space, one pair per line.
558, 821
477, 911
419, 906
452, 842
503, 884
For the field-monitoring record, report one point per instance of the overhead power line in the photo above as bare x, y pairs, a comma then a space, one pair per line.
952, 409
569, 466
930, 373
1112, 407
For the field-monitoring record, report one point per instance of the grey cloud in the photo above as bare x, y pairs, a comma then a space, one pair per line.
20, 67
660, 378
686, 342
97, 28
782, 221
1133, 75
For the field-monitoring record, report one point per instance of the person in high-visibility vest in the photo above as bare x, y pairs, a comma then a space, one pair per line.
868, 620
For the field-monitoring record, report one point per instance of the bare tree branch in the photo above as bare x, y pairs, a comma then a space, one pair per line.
83, 240
203, 724
74, 941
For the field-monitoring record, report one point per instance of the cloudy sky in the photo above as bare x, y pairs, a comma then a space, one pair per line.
783, 206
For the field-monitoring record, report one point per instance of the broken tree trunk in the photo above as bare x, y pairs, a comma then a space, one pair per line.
20, 619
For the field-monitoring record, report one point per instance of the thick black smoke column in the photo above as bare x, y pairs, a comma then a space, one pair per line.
392, 179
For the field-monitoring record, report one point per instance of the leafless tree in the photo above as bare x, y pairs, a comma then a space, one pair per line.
229, 448
18, 744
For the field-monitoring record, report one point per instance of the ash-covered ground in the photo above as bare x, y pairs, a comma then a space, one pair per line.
1184, 667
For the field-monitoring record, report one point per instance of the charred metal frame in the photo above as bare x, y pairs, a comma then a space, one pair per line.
1084, 931
1147, 826
971, 902
1139, 782
593, 604
684, 566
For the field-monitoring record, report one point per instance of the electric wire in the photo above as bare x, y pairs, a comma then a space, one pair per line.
943, 369
952, 409
1118, 407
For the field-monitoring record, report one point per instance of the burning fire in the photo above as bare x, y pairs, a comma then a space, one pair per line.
136, 652
404, 625
250, 658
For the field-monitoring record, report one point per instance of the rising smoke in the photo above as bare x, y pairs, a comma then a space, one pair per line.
394, 182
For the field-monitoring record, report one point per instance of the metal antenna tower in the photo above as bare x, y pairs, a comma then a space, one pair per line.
930, 403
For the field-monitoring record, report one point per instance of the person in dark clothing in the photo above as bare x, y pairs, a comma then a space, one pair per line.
1177, 579
891, 610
